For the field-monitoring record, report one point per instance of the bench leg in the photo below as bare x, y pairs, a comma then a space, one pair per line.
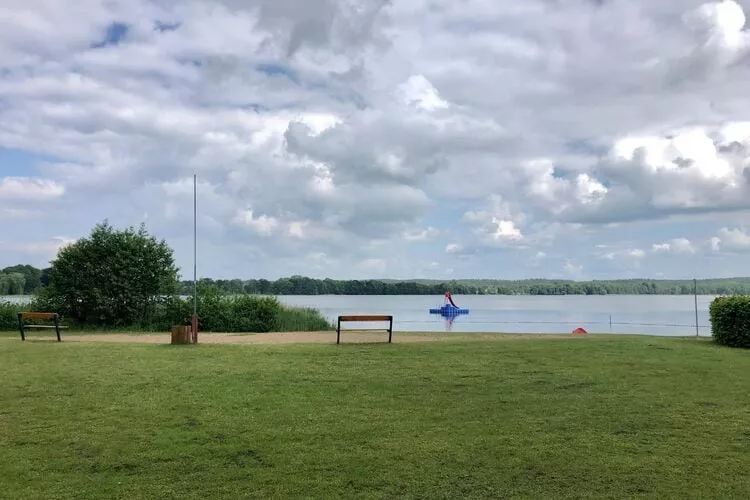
57, 328
390, 331
20, 326
338, 332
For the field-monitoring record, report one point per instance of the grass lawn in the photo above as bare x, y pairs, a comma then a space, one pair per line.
593, 417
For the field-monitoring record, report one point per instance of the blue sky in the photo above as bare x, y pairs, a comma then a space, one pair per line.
16, 162
369, 139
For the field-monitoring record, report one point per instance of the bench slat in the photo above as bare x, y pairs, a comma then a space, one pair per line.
44, 326
37, 315
365, 318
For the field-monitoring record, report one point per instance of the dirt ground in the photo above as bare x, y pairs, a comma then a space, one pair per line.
349, 337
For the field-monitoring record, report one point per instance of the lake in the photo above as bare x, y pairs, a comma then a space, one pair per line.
670, 315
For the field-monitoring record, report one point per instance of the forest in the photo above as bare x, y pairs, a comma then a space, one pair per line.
300, 285
25, 280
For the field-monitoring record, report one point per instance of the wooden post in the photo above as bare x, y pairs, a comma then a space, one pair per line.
194, 327
182, 335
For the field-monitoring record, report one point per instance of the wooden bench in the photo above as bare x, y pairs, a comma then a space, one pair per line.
364, 318
39, 315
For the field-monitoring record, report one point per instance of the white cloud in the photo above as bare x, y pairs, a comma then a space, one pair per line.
45, 248
418, 91
495, 225
20, 213
572, 268
262, 224
426, 234
676, 245
627, 254
25, 188
735, 240
453, 248
378, 266
694, 170
329, 134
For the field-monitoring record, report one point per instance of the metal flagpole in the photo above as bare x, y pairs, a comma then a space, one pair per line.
195, 260
695, 296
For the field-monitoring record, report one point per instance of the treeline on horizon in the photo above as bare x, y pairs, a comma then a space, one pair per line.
25, 280
300, 285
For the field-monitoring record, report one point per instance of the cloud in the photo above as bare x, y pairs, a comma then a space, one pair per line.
378, 266
572, 268
459, 250
676, 245
735, 240
25, 188
718, 27
495, 225
262, 224
46, 248
693, 170
20, 213
427, 234
419, 92
627, 254
330, 134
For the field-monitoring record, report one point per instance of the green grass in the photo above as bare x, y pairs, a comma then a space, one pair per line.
596, 417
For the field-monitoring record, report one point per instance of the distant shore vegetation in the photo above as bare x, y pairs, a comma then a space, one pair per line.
300, 285
26, 280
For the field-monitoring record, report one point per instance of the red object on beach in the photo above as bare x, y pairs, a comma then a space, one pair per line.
580, 331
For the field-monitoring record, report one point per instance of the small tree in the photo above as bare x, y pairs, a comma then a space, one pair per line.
112, 278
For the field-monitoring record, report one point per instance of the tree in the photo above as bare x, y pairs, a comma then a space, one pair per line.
113, 278
32, 277
12, 283
45, 276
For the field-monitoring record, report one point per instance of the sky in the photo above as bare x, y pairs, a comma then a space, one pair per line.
355, 139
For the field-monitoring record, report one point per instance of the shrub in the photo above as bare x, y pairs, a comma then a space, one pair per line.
296, 319
9, 316
217, 312
254, 314
730, 320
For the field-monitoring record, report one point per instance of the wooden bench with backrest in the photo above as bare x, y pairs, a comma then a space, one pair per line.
365, 318
22, 316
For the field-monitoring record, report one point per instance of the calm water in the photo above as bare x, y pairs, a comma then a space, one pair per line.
640, 314
657, 315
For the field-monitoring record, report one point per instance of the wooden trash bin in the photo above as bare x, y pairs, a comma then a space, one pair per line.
182, 335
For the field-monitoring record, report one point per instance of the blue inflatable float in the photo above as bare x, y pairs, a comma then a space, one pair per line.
449, 309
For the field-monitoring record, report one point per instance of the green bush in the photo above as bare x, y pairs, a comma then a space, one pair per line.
9, 316
295, 319
730, 320
254, 314
217, 312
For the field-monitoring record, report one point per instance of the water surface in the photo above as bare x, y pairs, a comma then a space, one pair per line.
671, 315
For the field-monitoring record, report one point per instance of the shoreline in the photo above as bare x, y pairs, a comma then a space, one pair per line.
347, 337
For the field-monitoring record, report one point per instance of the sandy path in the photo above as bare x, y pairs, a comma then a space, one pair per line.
300, 338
